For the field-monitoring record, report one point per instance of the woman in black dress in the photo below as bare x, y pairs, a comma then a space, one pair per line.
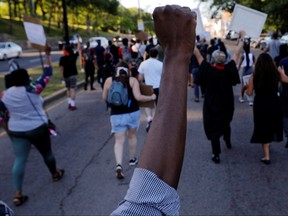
267, 108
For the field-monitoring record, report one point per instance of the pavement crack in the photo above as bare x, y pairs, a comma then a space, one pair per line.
77, 178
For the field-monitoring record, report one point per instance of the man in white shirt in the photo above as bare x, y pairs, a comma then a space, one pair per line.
150, 71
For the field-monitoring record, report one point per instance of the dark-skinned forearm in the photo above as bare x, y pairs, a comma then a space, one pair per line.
163, 151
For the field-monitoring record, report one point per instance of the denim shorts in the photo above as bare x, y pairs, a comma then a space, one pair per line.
71, 82
122, 122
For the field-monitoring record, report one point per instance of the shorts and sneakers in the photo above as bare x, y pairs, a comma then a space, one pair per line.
121, 123
71, 83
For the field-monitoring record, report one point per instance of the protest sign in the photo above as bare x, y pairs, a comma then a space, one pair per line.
249, 20
146, 90
35, 32
199, 27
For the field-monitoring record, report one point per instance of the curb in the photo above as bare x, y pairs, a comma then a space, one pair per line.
60, 94
53, 97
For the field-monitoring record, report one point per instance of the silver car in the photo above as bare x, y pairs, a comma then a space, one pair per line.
9, 50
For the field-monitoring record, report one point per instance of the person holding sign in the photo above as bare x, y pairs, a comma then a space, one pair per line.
218, 80
27, 124
125, 117
153, 186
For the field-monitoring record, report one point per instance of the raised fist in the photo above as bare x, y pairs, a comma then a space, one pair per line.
175, 27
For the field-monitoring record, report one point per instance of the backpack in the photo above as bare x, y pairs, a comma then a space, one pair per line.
126, 54
118, 93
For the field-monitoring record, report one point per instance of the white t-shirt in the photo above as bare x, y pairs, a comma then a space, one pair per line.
152, 71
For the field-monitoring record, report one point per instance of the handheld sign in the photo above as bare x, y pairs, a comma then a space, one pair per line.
35, 33
249, 20
146, 90
199, 27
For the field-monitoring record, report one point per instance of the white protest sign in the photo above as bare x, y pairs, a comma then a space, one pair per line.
35, 33
249, 20
199, 27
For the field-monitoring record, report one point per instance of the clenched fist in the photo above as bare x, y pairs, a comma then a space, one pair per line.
175, 28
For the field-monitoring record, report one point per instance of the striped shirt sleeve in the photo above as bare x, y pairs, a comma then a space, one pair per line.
148, 195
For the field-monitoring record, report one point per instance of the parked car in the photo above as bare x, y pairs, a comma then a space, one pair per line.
117, 39
232, 35
9, 50
284, 38
93, 41
73, 40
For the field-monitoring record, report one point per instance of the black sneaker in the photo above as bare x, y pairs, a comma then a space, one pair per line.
133, 162
215, 159
148, 126
119, 173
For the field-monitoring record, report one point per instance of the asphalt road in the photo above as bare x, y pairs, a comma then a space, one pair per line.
30, 59
239, 185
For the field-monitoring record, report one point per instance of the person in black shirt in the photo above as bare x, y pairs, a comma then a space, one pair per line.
89, 60
69, 72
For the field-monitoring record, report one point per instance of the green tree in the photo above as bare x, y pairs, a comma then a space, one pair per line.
277, 10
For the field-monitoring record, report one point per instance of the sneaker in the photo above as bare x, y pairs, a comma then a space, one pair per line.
119, 173
215, 159
148, 126
241, 99
72, 108
133, 161
251, 104
196, 100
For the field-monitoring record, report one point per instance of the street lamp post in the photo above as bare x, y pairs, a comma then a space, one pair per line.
139, 9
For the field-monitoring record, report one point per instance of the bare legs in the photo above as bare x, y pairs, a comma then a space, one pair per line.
119, 144
266, 151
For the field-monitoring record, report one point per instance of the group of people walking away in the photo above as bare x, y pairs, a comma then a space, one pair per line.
120, 73
260, 79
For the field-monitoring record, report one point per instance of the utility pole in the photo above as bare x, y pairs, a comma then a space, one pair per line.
139, 10
65, 22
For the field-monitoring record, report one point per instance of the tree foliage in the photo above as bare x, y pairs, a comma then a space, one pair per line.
277, 10
93, 15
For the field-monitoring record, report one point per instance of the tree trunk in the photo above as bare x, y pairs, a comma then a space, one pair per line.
10, 17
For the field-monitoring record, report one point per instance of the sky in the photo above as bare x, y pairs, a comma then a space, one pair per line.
149, 5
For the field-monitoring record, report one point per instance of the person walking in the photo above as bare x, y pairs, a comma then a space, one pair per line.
27, 124
273, 46
218, 80
69, 72
148, 47
99, 52
125, 119
267, 113
89, 60
125, 52
246, 64
107, 70
284, 96
150, 70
